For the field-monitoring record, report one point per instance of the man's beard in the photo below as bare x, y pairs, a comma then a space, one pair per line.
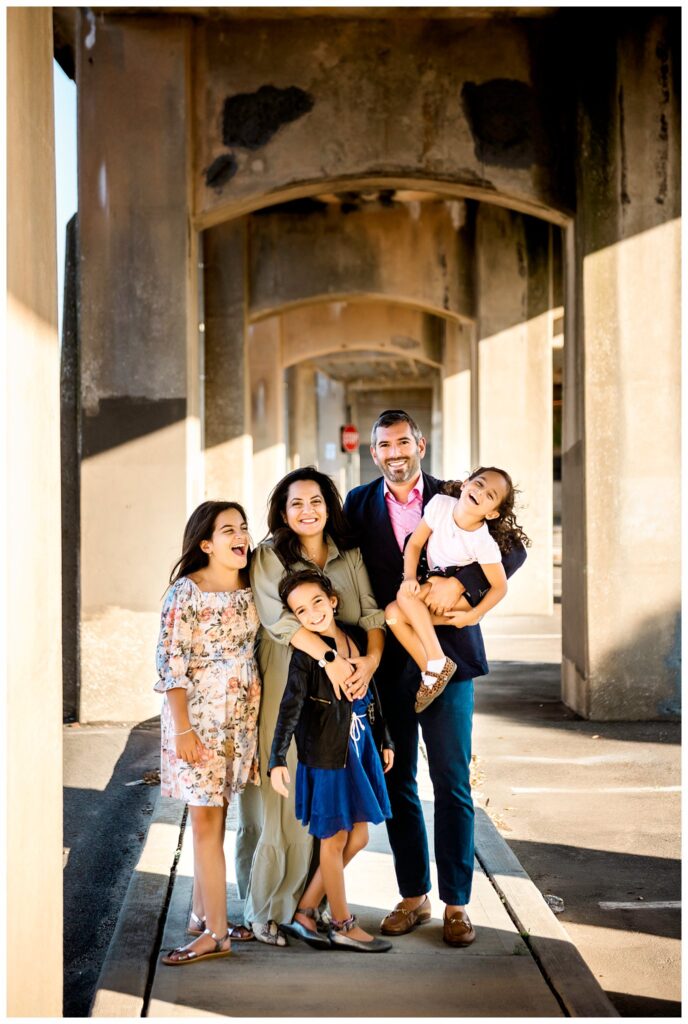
402, 474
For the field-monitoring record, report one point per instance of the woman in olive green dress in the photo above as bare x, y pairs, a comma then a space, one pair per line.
308, 528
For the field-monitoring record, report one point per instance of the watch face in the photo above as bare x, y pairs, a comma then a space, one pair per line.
329, 656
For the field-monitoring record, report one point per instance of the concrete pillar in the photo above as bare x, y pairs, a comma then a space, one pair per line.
331, 416
515, 384
139, 353
34, 671
459, 445
267, 416
303, 415
621, 443
228, 444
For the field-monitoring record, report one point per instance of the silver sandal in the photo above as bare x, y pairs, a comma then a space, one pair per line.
184, 955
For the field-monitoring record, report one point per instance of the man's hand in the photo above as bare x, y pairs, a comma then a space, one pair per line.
338, 672
358, 682
461, 619
444, 594
278, 777
387, 759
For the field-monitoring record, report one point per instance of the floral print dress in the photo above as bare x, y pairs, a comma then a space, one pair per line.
206, 647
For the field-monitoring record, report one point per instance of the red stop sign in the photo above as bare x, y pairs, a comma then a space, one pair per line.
349, 438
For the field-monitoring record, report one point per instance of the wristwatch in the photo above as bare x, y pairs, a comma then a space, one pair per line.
328, 656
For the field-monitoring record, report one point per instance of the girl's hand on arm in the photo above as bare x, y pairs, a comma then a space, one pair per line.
387, 759
339, 673
278, 777
409, 588
444, 592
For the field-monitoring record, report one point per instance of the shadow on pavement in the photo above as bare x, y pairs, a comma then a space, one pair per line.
103, 832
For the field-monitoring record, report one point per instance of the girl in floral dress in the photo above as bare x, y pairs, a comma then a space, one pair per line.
209, 720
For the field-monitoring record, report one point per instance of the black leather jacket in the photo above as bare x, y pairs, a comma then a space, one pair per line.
321, 723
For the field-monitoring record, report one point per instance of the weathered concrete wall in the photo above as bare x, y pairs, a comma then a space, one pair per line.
228, 445
459, 405
411, 253
515, 383
268, 414
621, 462
353, 327
138, 337
32, 418
474, 103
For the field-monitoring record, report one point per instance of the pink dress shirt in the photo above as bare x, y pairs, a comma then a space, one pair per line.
405, 516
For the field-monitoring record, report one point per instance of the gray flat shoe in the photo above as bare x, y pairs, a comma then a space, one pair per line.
296, 930
340, 940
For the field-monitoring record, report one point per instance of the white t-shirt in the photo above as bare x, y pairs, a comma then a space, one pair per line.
449, 544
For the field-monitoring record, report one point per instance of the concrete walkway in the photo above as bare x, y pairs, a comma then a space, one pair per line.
521, 965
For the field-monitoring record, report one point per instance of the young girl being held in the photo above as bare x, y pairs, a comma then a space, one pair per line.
209, 719
339, 778
476, 526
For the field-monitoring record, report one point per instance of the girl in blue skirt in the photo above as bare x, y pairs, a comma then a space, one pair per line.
339, 779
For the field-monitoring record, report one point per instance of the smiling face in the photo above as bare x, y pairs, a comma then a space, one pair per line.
305, 512
228, 546
313, 608
397, 453
484, 494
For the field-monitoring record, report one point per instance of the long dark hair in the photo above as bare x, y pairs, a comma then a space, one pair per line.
200, 527
504, 530
287, 543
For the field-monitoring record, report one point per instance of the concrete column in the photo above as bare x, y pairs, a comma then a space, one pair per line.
515, 384
621, 442
458, 443
139, 358
303, 415
267, 416
228, 444
331, 416
34, 670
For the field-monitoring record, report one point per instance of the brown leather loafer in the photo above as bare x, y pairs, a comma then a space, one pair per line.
401, 921
458, 930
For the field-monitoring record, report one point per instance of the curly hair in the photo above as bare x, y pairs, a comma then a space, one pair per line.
504, 530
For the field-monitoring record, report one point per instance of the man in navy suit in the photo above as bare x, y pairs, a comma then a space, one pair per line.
382, 514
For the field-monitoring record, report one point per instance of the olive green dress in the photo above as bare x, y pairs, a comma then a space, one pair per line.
282, 856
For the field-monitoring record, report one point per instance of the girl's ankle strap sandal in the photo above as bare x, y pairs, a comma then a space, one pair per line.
344, 926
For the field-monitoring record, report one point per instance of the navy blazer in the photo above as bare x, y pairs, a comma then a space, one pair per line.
366, 510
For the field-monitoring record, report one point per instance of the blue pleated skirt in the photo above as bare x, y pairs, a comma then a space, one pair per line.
331, 799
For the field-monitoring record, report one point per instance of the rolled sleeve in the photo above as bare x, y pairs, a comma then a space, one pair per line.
371, 616
177, 622
266, 573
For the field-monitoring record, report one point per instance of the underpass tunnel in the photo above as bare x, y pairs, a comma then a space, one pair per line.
349, 304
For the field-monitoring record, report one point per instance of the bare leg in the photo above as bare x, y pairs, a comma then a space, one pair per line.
197, 898
209, 872
405, 634
314, 892
332, 867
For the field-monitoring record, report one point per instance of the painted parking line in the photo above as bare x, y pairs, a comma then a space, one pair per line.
605, 789
642, 905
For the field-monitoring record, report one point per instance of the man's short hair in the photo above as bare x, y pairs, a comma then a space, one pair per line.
391, 416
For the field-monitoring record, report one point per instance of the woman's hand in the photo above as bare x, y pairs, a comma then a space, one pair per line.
278, 777
364, 667
190, 749
387, 759
409, 588
338, 672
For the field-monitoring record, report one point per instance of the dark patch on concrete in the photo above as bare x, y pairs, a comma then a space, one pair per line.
71, 477
120, 420
623, 185
501, 114
251, 119
521, 260
443, 262
220, 171
297, 207
662, 162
